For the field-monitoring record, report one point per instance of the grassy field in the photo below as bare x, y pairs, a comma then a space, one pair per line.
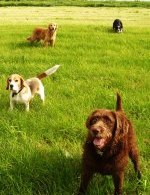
41, 150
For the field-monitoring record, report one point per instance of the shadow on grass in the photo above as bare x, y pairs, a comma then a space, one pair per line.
110, 30
42, 173
48, 172
28, 45
51, 171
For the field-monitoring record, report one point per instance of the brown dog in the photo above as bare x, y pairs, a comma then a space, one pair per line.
110, 141
48, 35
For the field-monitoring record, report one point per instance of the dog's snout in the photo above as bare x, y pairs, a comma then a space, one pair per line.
11, 86
95, 131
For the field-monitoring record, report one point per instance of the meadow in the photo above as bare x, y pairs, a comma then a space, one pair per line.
41, 149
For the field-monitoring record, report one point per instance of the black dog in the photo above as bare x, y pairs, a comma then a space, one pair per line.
117, 26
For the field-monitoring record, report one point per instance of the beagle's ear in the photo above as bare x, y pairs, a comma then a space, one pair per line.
22, 82
7, 85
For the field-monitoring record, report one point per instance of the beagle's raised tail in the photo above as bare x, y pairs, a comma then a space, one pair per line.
48, 72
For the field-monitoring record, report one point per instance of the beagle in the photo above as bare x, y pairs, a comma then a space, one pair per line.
22, 91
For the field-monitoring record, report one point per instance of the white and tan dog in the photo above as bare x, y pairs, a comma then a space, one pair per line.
22, 91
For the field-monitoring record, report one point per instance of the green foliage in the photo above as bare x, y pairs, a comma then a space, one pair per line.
86, 3
41, 150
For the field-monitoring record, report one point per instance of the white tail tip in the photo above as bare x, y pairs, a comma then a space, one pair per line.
52, 70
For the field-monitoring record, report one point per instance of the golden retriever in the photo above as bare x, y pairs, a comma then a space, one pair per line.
48, 35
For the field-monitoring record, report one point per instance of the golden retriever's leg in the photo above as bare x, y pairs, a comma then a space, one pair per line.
32, 39
52, 42
46, 43
29, 39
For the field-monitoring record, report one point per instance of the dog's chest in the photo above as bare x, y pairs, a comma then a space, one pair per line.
103, 166
99, 161
20, 98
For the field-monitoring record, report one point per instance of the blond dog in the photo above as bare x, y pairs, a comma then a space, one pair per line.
22, 91
48, 35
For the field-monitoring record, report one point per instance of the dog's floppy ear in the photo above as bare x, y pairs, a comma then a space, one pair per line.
121, 127
7, 85
90, 117
87, 123
22, 82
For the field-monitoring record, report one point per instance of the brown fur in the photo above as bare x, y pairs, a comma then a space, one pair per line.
48, 35
110, 141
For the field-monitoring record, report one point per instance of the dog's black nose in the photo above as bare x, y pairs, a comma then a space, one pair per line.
11, 86
95, 131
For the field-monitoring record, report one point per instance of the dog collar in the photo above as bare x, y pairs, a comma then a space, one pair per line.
13, 94
99, 152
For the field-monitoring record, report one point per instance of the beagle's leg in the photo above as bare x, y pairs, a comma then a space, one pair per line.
41, 93
11, 105
42, 96
27, 106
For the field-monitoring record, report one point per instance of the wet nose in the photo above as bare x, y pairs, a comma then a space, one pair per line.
95, 131
11, 86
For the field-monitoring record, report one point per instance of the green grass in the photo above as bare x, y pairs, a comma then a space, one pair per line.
41, 150
80, 3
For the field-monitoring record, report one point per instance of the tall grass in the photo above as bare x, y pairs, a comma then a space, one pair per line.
41, 150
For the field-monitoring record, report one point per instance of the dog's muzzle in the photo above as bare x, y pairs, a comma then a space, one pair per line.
11, 87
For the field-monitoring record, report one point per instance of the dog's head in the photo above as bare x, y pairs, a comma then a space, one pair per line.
101, 124
118, 26
107, 127
15, 82
52, 27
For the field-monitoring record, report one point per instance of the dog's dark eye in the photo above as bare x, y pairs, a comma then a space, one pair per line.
9, 80
94, 120
16, 81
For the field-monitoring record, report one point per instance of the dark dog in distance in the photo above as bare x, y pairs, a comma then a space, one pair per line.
117, 26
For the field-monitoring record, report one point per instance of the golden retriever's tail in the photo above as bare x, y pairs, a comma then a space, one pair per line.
48, 72
119, 103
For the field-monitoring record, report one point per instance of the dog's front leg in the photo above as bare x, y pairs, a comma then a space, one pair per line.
11, 105
27, 106
46, 42
86, 176
52, 42
118, 178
